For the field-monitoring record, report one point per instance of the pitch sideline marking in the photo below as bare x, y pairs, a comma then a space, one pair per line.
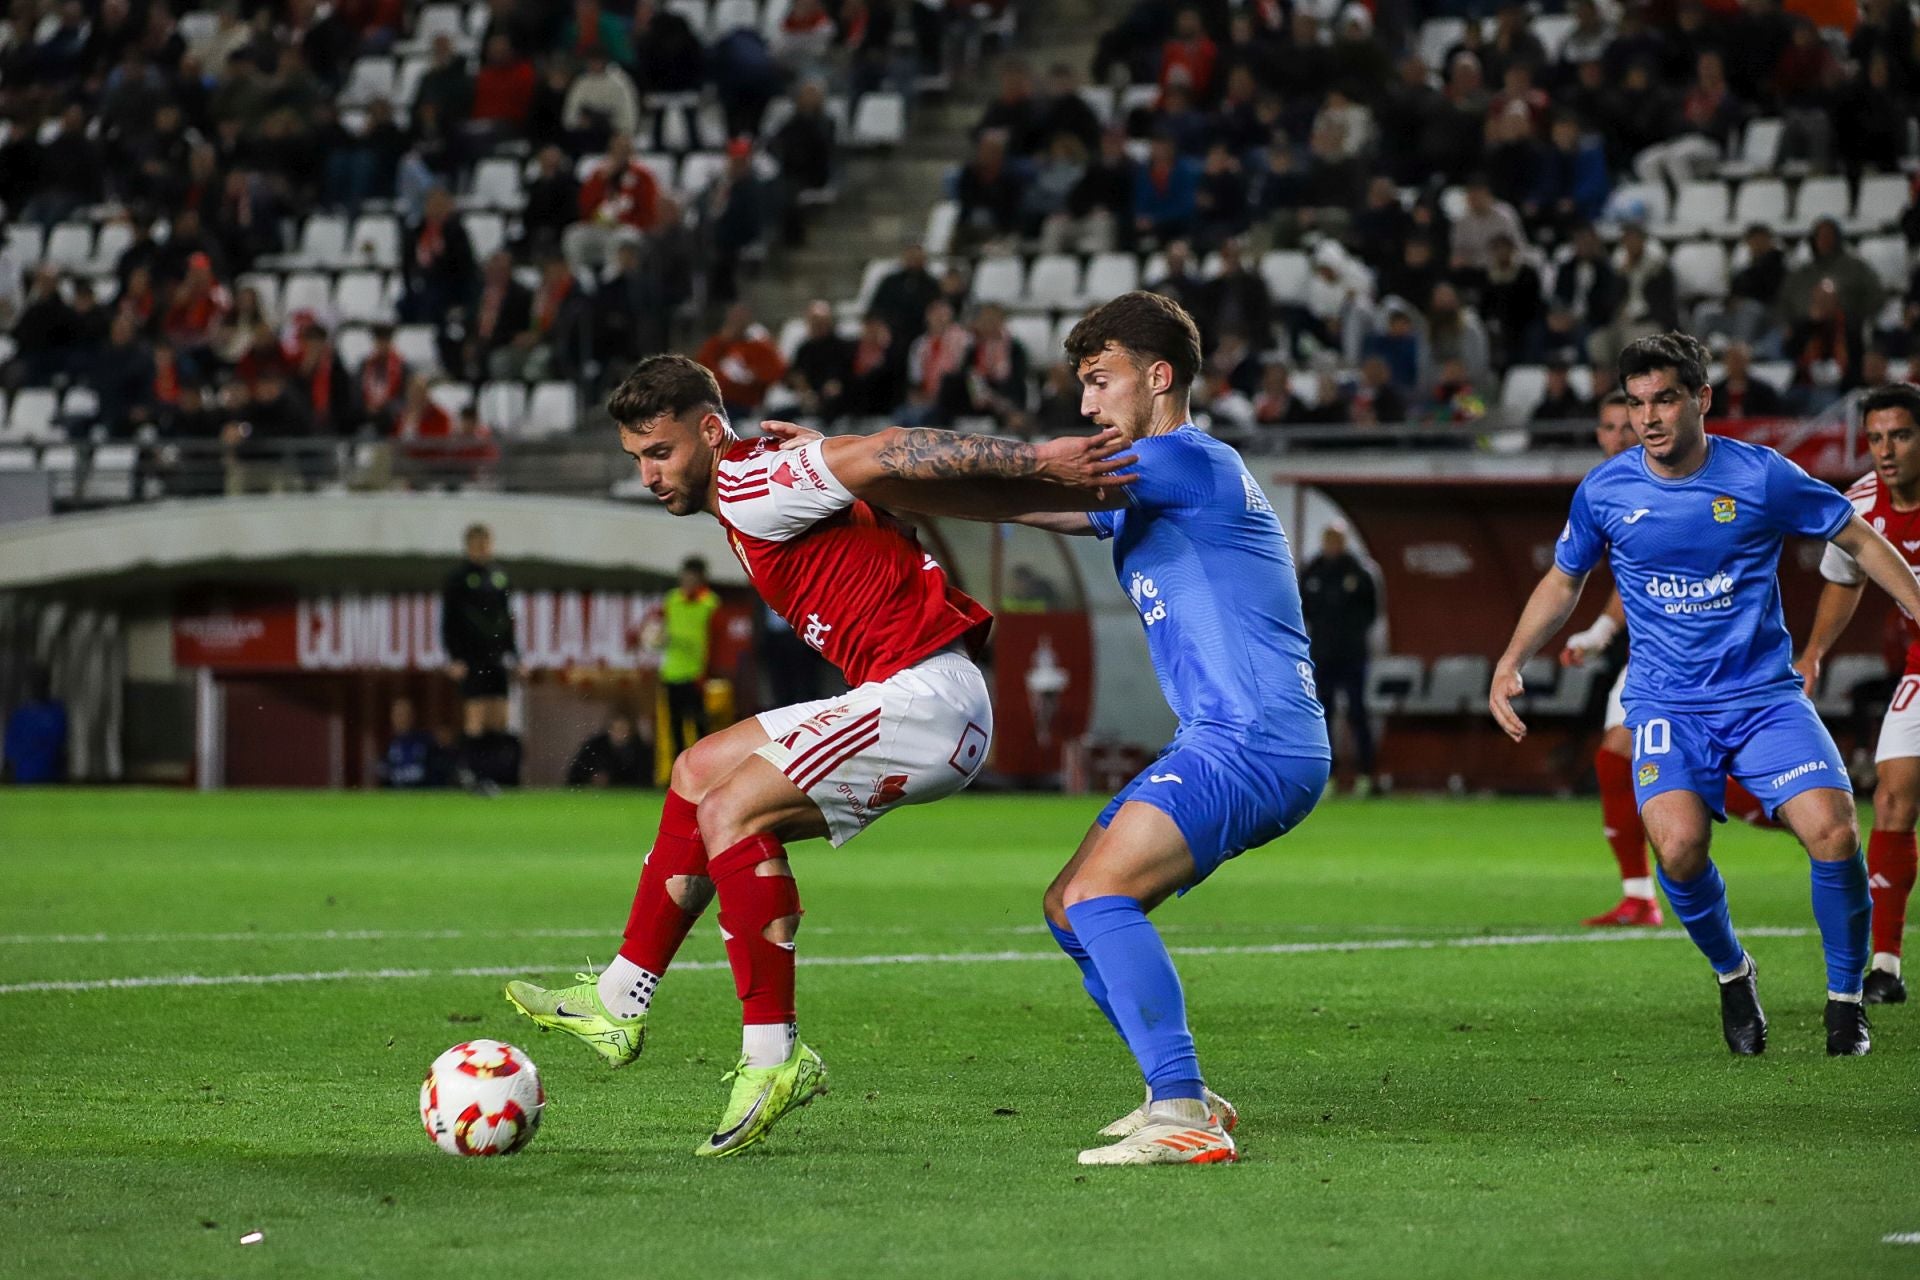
870, 961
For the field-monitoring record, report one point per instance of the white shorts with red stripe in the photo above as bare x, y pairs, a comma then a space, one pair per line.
1900, 731
1616, 701
917, 736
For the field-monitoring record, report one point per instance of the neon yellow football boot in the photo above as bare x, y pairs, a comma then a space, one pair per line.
761, 1095
578, 1012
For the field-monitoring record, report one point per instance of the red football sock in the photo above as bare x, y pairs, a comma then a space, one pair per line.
657, 925
1890, 876
749, 902
1620, 813
1743, 804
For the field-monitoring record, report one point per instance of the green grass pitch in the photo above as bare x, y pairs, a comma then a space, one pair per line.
1414, 1102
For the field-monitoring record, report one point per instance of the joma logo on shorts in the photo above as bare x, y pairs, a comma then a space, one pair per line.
1798, 771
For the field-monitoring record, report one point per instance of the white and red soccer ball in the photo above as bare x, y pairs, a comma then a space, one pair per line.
482, 1098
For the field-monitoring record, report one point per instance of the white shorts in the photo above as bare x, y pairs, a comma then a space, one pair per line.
1616, 707
1900, 731
919, 735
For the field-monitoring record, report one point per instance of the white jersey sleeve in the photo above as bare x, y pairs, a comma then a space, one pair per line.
1835, 564
778, 495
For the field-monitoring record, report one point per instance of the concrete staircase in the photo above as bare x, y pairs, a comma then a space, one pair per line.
885, 196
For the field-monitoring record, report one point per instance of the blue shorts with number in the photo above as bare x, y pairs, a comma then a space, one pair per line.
1226, 794
1776, 752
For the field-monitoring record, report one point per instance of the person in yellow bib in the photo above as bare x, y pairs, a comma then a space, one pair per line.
687, 617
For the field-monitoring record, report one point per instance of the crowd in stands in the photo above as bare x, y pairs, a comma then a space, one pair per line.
1462, 198
537, 191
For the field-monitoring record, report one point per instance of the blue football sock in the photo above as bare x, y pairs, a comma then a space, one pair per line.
1143, 992
1701, 904
1844, 909
1089, 975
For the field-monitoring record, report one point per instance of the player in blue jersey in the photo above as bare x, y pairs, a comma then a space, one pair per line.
1198, 549
1693, 526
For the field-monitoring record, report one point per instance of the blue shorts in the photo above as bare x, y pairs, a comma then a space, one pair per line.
1776, 752
1225, 795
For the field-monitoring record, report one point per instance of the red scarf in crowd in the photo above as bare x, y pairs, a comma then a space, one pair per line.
382, 379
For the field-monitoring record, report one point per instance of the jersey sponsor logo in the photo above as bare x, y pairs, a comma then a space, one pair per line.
1649, 774
1566, 532
815, 632
1912, 546
1256, 500
1307, 681
1634, 518
1146, 598
1166, 777
1798, 771
1724, 510
888, 790
1693, 595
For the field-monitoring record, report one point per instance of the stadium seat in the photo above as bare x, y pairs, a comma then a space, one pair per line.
198, 26
416, 346
376, 241
503, 407
1456, 684
1054, 282
58, 462
1645, 201
109, 474
370, 79
70, 247
1818, 198
80, 405
1701, 208
942, 221
486, 232
876, 270
998, 279
1554, 690
1700, 269
553, 409
694, 12
1522, 392
306, 291
1777, 374
1057, 342
30, 416
1882, 200
698, 169
1034, 333
28, 241
323, 243
1759, 149
1101, 98
352, 344
1842, 675
496, 185
1887, 255
879, 121
1552, 30
360, 297
1437, 35
412, 70
454, 397
1109, 275
267, 285
1286, 272
1392, 680
676, 133
1761, 200
731, 15
441, 20
1136, 97
108, 246
793, 332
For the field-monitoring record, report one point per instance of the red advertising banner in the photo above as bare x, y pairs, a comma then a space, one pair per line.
1825, 449
1043, 689
400, 631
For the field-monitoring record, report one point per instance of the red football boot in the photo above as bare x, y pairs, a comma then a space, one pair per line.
1632, 912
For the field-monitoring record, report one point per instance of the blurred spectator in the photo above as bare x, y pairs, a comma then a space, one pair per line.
552, 202
323, 382
557, 339
1016, 112
619, 201
1824, 348
437, 266
804, 144
877, 384
1400, 346
633, 309
1188, 58
1570, 182
686, 615
1511, 302
1221, 202
503, 89
592, 30
601, 104
1377, 400
1098, 215
937, 355
736, 212
1649, 301
1414, 275
262, 421
1710, 116
743, 361
36, 737
803, 38
1235, 301
996, 371
989, 192
667, 54
1456, 336
1484, 220
1063, 110
1858, 292
1747, 313
1586, 293
1050, 184
69, 171
499, 311
1059, 411
1275, 405
1871, 115
902, 296
446, 89
822, 364
1381, 226
614, 757
1738, 394
407, 762
1561, 402
1166, 188
382, 381
122, 374
1179, 278
1456, 396
196, 307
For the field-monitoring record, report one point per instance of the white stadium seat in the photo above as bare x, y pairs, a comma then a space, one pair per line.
376, 242
31, 415
486, 232
552, 409
28, 241
306, 291
352, 344
323, 243
1761, 200
496, 185
453, 397
1818, 198
942, 221
1700, 269
441, 20
1392, 680
1455, 685
879, 121
1286, 273
415, 343
370, 79
360, 297
107, 248
70, 247
1033, 333
1000, 279
1437, 35
1111, 274
730, 15
698, 170
1054, 282
267, 285
1883, 198
1522, 392
503, 407
1701, 208
1759, 148
1887, 255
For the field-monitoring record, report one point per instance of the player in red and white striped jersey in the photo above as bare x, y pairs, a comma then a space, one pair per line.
915, 726
1888, 498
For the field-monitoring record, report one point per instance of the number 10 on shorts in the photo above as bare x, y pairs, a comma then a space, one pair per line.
1654, 738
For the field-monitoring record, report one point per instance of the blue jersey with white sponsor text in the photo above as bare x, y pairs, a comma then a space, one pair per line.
1204, 559
1697, 562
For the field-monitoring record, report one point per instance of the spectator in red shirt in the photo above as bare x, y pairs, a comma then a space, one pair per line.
1192, 50
199, 301
619, 202
743, 361
503, 89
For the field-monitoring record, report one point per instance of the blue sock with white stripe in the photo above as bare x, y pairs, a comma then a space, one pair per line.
1844, 908
1143, 992
1701, 904
1089, 975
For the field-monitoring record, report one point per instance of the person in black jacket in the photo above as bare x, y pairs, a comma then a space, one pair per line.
476, 630
1337, 594
614, 757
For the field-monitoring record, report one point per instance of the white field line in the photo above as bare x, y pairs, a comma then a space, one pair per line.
874, 961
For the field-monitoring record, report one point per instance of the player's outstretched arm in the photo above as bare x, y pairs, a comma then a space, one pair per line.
1548, 609
1072, 473
1879, 561
1838, 600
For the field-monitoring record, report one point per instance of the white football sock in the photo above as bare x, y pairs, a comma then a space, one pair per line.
1179, 1110
1844, 997
1745, 968
768, 1044
1887, 962
625, 988
1637, 887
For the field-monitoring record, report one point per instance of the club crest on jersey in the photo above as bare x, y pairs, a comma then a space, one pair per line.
1649, 774
1723, 510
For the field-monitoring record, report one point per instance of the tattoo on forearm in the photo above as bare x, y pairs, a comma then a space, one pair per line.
920, 454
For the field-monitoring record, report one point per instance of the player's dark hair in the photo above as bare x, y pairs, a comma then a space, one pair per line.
658, 385
1895, 395
1673, 350
1147, 326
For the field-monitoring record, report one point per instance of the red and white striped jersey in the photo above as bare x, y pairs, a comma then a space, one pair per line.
1902, 528
851, 580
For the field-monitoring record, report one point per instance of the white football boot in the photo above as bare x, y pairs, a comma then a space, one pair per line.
1163, 1139
1135, 1120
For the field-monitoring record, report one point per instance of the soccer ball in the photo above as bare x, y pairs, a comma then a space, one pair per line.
482, 1098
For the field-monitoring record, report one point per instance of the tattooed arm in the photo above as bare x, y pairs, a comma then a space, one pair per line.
985, 477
